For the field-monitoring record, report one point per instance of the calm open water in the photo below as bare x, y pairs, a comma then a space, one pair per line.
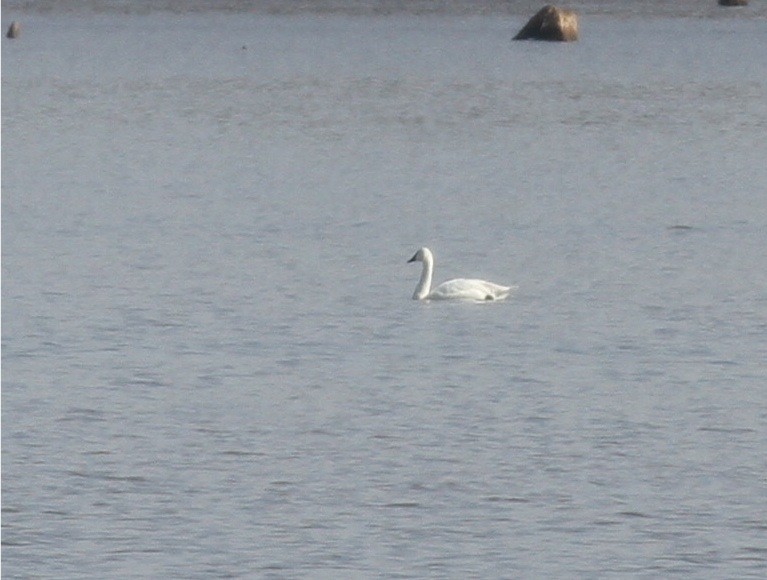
212, 366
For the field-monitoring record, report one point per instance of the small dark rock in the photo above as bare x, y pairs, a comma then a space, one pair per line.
550, 23
14, 30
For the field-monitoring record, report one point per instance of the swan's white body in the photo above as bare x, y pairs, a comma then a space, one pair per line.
457, 289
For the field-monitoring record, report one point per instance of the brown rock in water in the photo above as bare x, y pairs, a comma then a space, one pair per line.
13, 30
733, 2
550, 23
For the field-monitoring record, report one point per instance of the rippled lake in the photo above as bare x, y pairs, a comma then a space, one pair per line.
212, 365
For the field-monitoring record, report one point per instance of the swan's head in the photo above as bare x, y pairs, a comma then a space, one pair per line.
422, 255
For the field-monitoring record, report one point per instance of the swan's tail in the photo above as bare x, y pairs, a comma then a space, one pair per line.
502, 292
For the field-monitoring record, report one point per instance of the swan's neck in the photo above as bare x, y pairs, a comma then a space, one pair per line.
424, 284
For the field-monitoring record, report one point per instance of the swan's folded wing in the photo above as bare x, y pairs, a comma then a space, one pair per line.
468, 289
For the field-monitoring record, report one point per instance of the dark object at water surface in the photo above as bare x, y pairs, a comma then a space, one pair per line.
551, 23
14, 30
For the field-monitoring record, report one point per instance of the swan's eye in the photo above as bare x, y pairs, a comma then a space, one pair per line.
489, 297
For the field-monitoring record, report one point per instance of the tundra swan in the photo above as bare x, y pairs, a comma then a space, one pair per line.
457, 289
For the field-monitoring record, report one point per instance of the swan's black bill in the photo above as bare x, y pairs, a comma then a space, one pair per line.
413, 259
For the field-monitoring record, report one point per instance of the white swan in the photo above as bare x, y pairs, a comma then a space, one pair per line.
458, 289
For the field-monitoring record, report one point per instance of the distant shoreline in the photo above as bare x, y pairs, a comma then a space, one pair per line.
659, 8
350, 7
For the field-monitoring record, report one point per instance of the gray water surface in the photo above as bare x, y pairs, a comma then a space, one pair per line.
211, 363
